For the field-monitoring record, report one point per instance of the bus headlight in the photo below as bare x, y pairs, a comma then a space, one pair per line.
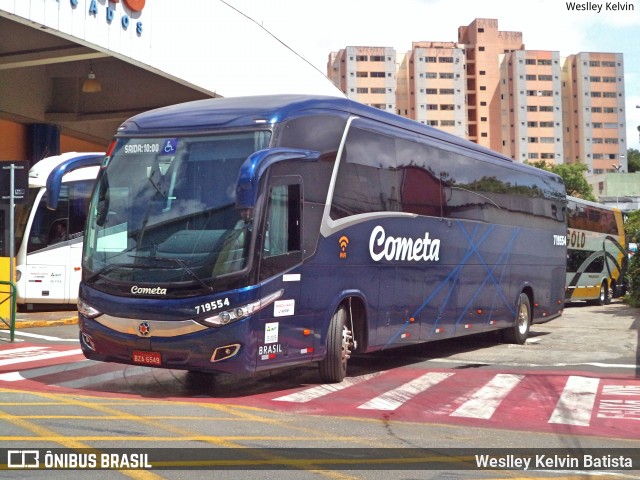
87, 310
238, 313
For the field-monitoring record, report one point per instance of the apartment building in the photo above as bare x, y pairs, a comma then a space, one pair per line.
527, 104
484, 44
366, 74
432, 86
531, 97
595, 111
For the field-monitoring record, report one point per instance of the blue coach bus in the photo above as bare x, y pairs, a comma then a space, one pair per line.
244, 234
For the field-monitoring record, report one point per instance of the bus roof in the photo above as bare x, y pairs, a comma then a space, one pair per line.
591, 204
39, 173
256, 110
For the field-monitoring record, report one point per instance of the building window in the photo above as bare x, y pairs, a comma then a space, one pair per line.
445, 59
446, 91
378, 90
362, 74
430, 59
446, 75
376, 58
361, 58
378, 74
431, 91
447, 106
530, 61
362, 90
532, 108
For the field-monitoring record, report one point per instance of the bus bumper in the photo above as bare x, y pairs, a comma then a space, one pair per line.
220, 350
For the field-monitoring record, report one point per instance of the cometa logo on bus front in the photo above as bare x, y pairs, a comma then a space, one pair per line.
401, 248
148, 291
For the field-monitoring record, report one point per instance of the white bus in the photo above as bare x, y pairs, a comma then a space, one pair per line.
49, 229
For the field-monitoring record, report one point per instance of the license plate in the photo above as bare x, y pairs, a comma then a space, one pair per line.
147, 358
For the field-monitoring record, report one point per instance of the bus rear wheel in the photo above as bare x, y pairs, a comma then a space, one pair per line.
604, 298
333, 368
519, 332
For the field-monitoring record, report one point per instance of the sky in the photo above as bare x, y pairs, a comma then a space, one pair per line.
311, 30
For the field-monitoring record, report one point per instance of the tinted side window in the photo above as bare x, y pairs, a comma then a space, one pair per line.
367, 179
65, 222
418, 170
282, 238
321, 133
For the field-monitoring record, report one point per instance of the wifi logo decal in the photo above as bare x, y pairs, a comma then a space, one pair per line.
343, 242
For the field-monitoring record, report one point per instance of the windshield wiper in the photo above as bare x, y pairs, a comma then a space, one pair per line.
112, 266
180, 263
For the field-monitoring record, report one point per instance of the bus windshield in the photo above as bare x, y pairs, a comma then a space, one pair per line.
23, 211
165, 211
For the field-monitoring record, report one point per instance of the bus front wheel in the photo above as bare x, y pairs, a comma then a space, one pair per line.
333, 368
519, 332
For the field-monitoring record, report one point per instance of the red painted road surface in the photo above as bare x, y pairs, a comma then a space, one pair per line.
577, 403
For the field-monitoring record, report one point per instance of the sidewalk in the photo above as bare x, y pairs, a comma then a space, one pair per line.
46, 318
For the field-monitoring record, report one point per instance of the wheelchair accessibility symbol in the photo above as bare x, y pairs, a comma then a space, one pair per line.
170, 145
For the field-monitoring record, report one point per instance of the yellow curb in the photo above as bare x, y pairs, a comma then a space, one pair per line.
46, 323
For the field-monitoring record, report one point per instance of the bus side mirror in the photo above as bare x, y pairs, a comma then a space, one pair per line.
257, 164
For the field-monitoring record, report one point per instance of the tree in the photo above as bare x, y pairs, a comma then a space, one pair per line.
633, 160
573, 176
632, 231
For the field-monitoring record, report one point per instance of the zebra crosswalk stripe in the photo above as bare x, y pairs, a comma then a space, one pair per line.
575, 405
484, 402
395, 398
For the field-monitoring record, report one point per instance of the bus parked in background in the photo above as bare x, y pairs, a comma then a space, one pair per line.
596, 252
243, 234
49, 229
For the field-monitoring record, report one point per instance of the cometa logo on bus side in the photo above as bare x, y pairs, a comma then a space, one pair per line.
401, 248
